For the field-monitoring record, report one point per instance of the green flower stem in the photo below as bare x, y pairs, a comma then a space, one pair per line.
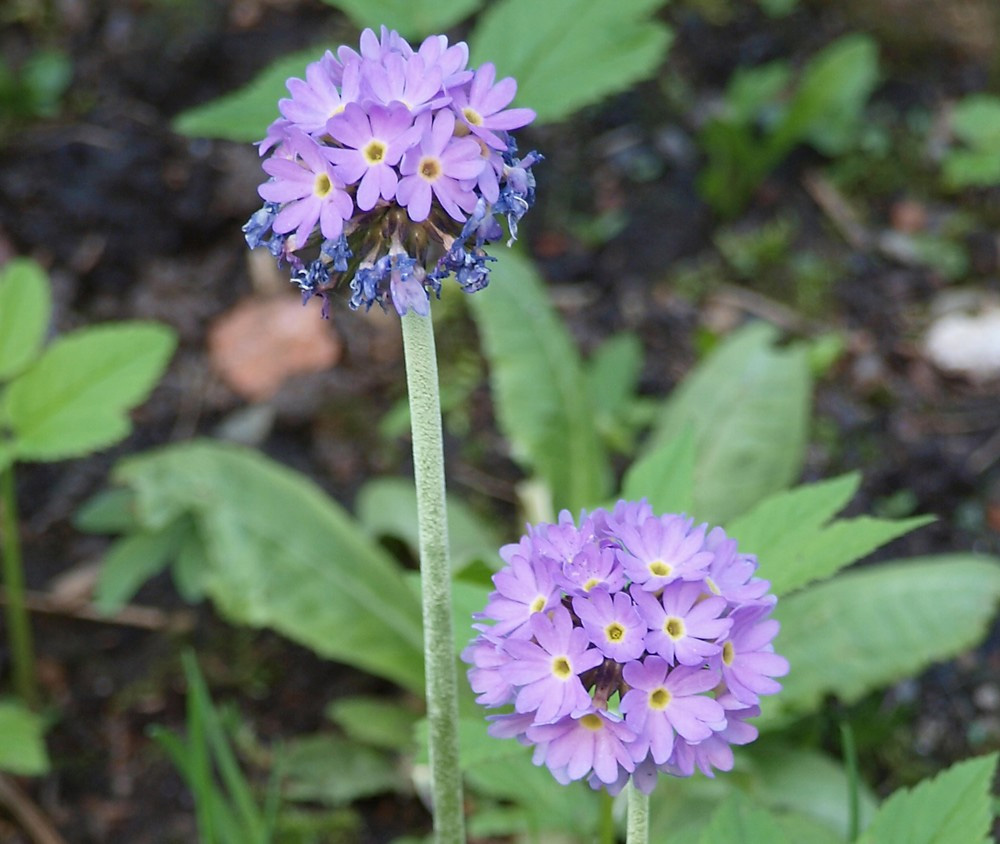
435, 571
18, 625
638, 816
607, 835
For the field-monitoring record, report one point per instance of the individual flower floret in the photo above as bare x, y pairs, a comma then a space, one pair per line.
309, 189
438, 166
426, 170
548, 668
612, 679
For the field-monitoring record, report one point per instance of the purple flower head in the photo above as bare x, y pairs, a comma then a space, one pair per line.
389, 168
612, 680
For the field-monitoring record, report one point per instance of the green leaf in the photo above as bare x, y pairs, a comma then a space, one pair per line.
411, 18
333, 771
388, 507
538, 385
976, 121
245, 114
738, 821
566, 54
885, 622
828, 106
109, 511
953, 807
665, 476
748, 404
132, 561
22, 740
375, 721
75, 398
25, 306
788, 533
612, 376
971, 168
281, 554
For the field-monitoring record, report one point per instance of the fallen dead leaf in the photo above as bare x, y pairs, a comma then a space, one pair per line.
259, 344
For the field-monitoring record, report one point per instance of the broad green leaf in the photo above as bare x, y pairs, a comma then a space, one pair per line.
388, 507
566, 54
752, 90
953, 807
109, 511
808, 783
333, 771
964, 168
612, 376
976, 121
375, 721
411, 18
25, 305
829, 103
885, 622
22, 740
133, 560
665, 476
748, 404
75, 398
738, 821
245, 114
793, 542
281, 554
538, 385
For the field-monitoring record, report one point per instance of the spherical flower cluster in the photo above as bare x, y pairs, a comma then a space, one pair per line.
393, 167
629, 645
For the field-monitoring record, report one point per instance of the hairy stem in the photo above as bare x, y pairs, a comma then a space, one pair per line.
435, 570
638, 816
18, 625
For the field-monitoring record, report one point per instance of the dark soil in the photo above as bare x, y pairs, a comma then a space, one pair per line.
133, 221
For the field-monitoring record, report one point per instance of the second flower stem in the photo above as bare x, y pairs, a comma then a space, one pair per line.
638, 816
435, 572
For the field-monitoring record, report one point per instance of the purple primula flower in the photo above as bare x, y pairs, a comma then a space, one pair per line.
373, 142
439, 166
595, 741
612, 623
747, 660
665, 701
308, 189
683, 624
547, 669
660, 551
684, 664
382, 115
482, 108
523, 588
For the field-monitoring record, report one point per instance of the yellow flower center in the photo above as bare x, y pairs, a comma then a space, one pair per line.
592, 722
712, 587
429, 169
674, 627
615, 632
374, 152
322, 186
473, 117
590, 584
538, 604
659, 698
728, 653
658, 568
561, 668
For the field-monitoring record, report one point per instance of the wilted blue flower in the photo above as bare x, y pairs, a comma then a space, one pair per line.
391, 150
